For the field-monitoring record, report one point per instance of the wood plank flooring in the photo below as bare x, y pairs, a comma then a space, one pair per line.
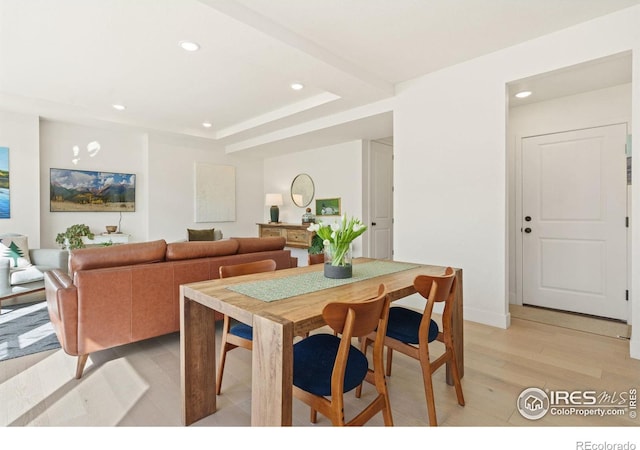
139, 384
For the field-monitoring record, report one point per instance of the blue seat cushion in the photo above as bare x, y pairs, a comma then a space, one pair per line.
404, 325
313, 360
242, 330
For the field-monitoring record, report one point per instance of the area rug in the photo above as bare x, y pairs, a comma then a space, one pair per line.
26, 329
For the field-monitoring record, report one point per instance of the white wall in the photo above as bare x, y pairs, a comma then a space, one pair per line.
19, 132
171, 188
590, 109
450, 158
121, 151
336, 172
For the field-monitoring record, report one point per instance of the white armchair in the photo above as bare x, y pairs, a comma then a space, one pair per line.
41, 260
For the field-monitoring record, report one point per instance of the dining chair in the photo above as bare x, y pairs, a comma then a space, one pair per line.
240, 334
316, 258
326, 366
410, 333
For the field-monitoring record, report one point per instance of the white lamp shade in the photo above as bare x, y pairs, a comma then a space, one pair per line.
273, 200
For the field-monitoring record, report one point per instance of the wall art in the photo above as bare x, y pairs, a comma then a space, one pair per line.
88, 191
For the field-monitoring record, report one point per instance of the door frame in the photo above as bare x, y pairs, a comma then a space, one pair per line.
517, 224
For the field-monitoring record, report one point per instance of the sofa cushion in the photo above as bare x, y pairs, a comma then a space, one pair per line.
16, 250
200, 249
259, 244
117, 255
26, 275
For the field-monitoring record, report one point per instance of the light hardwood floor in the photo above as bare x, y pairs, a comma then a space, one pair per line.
139, 384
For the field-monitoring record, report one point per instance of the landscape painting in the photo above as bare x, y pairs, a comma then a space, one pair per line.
5, 205
87, 191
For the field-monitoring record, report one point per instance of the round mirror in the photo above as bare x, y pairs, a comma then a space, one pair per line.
302, 190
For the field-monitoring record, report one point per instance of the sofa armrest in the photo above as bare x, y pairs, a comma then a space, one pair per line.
50, 258
62, 303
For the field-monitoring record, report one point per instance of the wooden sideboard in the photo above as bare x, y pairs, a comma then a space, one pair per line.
296, 235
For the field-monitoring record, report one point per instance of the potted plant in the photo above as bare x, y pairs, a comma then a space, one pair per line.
337, 239
72, 237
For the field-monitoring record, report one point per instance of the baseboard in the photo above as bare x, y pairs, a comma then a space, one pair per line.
487, 318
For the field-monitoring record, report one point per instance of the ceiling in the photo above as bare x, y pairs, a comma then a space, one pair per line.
73, 59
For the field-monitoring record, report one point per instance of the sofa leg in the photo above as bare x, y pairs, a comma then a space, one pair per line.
82, 360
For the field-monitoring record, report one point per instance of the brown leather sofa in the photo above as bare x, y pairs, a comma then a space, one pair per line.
126, 293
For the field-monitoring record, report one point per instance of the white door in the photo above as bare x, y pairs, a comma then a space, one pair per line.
573, 221
381, 207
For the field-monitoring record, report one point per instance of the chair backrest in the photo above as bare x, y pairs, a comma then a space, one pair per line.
266, 265
360, 318
437, 288
316, 258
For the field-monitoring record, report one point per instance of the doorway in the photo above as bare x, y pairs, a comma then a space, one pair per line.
587, 96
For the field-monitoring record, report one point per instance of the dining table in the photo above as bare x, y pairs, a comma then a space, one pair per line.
279, 306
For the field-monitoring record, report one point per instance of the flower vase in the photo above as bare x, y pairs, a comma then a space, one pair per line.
337, 261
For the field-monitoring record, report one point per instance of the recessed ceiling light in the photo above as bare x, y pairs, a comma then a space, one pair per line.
189, 46
297, 86
206, 124
523, 94
119, 107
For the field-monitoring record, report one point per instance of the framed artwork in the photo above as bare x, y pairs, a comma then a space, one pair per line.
5, 199
328, 207
87, 191
215, 193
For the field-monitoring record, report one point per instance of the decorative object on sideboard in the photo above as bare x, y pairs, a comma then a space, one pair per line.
308, 217
337, 240
111, 228
274, 200
302, 190
72, 237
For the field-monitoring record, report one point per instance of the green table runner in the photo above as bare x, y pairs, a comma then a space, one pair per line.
277, 289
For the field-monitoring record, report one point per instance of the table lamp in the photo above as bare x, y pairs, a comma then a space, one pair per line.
274, 200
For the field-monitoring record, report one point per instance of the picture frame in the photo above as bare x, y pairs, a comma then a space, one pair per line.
328, 207
5, 198
72, 190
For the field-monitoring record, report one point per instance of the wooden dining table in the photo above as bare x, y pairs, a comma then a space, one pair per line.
275, 324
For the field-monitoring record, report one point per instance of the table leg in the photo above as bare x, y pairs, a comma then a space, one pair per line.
272, 371
457, 330
197, 360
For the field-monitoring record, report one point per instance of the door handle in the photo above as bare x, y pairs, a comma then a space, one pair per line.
527, 230
373, 224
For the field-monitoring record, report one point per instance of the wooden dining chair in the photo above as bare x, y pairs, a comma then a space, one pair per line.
240, 334
316, 258
410, 333
326, 366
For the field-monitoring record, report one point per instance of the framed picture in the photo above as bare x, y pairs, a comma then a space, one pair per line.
328, 207
5, 205
86, 191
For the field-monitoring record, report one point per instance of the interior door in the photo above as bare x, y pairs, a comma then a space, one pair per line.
574, 233
381, 189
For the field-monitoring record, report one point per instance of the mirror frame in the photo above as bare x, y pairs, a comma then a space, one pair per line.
297, 181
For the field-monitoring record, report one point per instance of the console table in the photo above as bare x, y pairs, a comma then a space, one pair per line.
296, 235
107, 238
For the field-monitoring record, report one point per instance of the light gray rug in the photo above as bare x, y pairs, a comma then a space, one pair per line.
26, 329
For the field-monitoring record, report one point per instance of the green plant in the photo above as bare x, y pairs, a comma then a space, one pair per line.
72, 237
317, 245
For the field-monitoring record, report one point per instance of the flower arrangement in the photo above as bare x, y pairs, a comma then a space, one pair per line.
338, 237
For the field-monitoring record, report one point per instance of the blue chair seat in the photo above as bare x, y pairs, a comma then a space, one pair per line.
404, 324
313, 360
242, 330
